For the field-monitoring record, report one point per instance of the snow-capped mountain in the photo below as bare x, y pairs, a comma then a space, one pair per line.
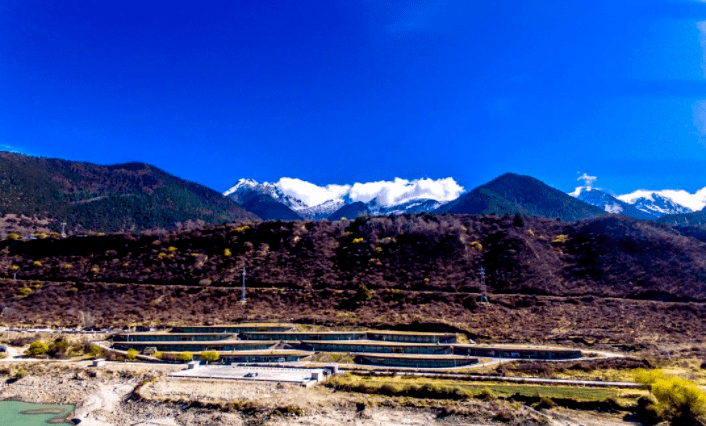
609, 203
315, 202
657, 203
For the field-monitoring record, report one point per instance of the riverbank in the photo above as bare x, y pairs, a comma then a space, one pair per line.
127, 394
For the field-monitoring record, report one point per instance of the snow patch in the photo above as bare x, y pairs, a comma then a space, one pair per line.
694, 202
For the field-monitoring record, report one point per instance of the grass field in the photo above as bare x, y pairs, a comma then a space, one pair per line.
472, 389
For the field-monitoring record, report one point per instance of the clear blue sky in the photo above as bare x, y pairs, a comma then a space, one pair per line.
343, 91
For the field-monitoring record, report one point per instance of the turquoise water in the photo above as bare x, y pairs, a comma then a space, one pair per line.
10, 413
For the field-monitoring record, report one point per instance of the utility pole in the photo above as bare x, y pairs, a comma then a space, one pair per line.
242, 297
483, 289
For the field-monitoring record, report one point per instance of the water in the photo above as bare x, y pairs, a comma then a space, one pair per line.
11, 413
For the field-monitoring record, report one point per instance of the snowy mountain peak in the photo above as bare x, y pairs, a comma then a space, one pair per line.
610, 204
312, 201
660, 203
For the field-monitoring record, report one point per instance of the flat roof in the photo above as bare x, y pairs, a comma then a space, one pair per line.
376, 343
168, 333
244, 324
259, 374
412, 333
206, 342
258, 353
312, 333
515, 346
414, 356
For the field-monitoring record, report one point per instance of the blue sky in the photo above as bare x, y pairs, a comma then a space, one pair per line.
354, 91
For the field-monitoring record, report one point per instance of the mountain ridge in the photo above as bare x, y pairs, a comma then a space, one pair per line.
121, 197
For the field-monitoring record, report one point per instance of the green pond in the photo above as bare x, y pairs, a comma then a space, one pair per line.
17, 413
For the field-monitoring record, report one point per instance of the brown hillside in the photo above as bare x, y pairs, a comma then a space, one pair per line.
608, 256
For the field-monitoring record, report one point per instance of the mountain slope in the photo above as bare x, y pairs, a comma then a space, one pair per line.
512, 193
350, 211
131, 196
267, 208
686, 219
610, 256
610, 204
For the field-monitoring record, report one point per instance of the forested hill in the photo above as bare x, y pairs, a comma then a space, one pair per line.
606, 256
132, 196
511, 193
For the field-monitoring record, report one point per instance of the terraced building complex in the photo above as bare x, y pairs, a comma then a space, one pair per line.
268, 343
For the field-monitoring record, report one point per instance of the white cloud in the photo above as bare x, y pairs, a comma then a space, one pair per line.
387, 193
309, 193
695, 201
587, 180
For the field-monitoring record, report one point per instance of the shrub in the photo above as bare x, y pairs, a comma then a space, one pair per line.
560, 239
227, 253
158, 355
37, 263
477, 245
209, 356
20, 374
13, 236
679, 401
59, 348
357, 240
185, 357
95, 351
485, 394
37, 348
131, 354
519, 220
25, 291
14, 267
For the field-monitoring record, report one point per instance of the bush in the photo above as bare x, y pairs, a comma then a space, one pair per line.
59, 348
95, 351
131, 354
681, 402
185, 357
37, 348
20, 374
209, 356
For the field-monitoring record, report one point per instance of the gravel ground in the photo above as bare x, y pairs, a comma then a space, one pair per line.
104, 397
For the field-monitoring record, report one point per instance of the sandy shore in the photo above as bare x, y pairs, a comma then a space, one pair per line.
120, 394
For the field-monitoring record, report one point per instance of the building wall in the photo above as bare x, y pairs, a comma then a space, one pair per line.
518, 353
334, 347
414, 363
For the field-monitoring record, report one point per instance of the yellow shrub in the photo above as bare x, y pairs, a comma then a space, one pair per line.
14, 267
530, 232
172, 249
13, 236
68, 266
357, 240
37, 263
227, 253
477, 245
561, 239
